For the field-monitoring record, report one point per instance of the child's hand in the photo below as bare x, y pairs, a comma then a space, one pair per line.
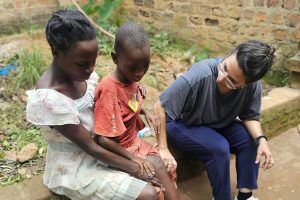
144, 165
153, 121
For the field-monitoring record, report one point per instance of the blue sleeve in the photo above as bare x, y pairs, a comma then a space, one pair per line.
174, 98
252, 109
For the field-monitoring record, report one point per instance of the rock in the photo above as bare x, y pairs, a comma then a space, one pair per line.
41, 150
15, 98
24, 98
10, 155
298, 128
4, 106
2, 137
27, 152
22, 171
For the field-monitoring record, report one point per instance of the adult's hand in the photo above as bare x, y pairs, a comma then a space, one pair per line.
168, 159
263, 150
153, 120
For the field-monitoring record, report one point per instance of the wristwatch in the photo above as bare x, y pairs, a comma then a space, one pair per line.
256, 140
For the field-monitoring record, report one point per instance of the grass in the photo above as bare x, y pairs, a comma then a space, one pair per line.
31, 65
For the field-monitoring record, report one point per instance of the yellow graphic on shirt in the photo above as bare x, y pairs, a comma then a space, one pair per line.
133, 103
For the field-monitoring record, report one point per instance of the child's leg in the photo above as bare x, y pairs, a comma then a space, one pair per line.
148, 193
160, 170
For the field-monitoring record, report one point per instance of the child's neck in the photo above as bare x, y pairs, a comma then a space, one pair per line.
120, 77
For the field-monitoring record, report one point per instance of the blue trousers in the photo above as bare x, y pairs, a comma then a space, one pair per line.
213, 147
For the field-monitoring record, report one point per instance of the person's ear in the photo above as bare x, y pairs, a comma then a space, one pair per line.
114, 57
55, 52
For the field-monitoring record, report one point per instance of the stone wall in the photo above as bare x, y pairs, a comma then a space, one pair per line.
16, 15
222, 24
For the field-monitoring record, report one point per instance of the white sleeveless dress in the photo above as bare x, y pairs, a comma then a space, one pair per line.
69, 170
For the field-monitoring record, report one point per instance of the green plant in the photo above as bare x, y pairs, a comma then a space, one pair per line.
31, 65
102, 11
277, 78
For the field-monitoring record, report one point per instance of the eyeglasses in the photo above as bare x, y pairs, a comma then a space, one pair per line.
229, 84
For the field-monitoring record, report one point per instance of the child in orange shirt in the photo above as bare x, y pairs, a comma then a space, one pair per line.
118, 103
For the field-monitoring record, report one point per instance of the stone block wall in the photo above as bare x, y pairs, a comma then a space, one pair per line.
222, 24
18, 14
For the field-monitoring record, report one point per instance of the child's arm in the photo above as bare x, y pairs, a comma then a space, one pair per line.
118, 149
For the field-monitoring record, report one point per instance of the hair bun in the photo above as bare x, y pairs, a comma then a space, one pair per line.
271, 50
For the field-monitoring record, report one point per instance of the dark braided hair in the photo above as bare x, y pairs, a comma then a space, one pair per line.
255, 58
66, 27
130, 34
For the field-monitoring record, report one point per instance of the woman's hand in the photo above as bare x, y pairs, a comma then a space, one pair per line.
168, 159
153, 120
144, 165
263, 150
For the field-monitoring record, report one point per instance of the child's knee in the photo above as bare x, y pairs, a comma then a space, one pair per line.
148, 193
157, 162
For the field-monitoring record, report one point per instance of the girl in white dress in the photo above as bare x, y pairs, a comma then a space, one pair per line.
62, 104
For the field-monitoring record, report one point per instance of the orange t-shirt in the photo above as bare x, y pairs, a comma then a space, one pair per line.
117, 108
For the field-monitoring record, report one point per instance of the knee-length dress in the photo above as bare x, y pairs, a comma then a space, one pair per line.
69, 170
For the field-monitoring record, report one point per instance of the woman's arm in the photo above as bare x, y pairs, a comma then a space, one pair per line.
118, 149
84, 140
254, 128
164, 152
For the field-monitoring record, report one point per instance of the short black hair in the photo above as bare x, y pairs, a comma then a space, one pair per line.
66, 27
131, 34
255, 58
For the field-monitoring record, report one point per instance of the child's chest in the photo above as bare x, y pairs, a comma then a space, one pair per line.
130, 102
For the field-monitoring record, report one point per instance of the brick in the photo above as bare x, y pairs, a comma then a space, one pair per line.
144, 13
183, 8
196, 20
261, 17
296, 35
246, 3
234, 11
272, 3
248, 14
293, 19
294, 63
217, 11
280, 34
288, 4
163, 5
258, 3
278, 18
149, 3
138, 2
264, 32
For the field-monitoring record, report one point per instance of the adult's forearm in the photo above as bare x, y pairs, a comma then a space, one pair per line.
253, 127
161, 136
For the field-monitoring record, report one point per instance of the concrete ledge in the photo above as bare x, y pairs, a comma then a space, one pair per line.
280, 111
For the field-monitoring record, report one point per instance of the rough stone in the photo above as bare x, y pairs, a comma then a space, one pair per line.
234, 11
259, 3
272, 3
288, 4
248, 14
280, 34
294, 63
27, 152
11, 155
296, 35
293, 19
261, 17
278, 18
138, 2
